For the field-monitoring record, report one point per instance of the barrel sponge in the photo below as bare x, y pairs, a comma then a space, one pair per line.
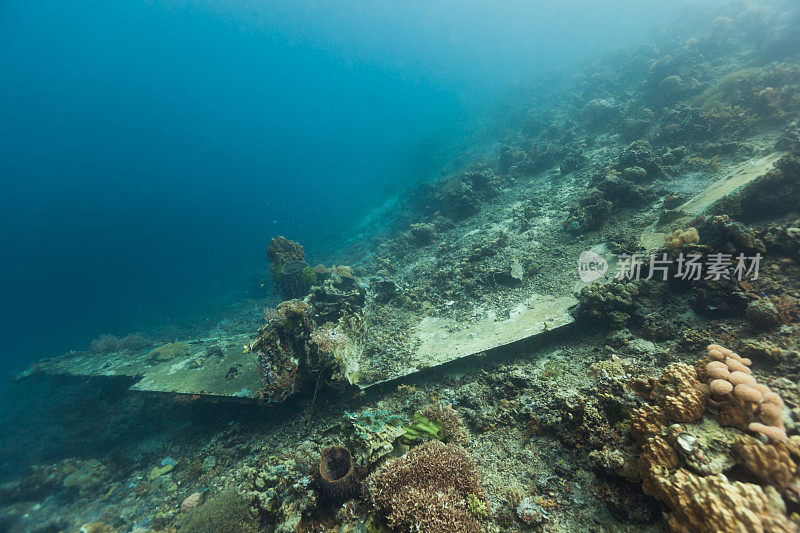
337, 476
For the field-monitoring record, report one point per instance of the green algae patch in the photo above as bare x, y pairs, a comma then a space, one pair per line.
309, 275
423, 429
477, 507
169, 351
729, 88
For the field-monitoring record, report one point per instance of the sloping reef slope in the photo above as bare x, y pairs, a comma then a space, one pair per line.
655, 197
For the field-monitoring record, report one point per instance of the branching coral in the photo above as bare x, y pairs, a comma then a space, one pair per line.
432, 488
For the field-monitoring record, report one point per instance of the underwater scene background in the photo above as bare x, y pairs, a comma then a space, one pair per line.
371, 266
150, 150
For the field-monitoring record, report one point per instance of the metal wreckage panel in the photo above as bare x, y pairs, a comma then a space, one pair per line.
707, 199
228, 373
236, 374
438, 341
441, 341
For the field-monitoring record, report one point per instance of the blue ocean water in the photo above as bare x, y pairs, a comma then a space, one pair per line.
150, 150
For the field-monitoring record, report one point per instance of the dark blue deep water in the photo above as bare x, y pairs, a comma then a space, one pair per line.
149, 150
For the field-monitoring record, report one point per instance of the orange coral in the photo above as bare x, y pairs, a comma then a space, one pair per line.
772, 463
678, 392
744, 402
679, 238
657, 455
712, 504
647, 421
